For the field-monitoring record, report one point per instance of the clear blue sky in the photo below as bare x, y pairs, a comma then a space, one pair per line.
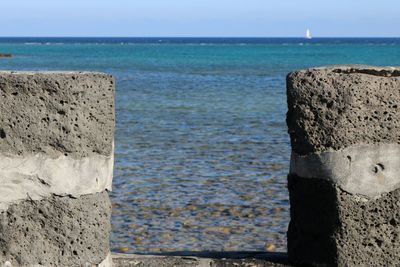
262, 18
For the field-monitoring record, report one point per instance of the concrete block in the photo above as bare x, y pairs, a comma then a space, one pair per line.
337, 107
56, 164
344, 125
57, 231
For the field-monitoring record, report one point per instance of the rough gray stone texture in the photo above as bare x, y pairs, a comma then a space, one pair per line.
334, 107
68, 113
354, 111
57, 231
330, 227
203, 259
56, 149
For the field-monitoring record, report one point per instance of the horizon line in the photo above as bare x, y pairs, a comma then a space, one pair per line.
208, 37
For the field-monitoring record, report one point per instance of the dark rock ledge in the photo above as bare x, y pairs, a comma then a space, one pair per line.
202, 259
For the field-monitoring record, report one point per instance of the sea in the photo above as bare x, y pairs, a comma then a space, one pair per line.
202, 150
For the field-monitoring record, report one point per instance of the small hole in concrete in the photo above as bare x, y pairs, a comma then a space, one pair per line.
2, 134
378, 167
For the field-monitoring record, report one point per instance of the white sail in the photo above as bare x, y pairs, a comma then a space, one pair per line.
308, 34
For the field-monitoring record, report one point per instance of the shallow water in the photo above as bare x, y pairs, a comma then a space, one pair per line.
201, 145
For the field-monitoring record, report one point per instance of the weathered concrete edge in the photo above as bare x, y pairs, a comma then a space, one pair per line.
74, 72
368, 170
384, 71
202, 259
108, 261
38, 176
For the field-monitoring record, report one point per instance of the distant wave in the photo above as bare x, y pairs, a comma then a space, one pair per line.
199, 41
41, 43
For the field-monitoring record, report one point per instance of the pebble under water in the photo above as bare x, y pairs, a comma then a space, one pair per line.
206, 176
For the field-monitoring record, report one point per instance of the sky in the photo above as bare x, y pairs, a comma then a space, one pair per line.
200, 18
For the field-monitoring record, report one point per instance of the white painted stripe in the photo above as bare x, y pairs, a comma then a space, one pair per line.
368, 170
39, 176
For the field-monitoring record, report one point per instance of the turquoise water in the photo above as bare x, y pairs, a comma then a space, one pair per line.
201, 145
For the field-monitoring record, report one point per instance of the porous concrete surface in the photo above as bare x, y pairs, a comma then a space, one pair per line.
57, 231
344, 125
368, 170
202, 259
331, 227
56, 113
334, 107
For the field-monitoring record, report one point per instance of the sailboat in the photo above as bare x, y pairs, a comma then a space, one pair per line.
308, 34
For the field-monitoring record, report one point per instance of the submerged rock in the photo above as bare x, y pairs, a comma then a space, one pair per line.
6, 55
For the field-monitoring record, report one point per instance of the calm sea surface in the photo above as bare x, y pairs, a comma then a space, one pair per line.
201, 145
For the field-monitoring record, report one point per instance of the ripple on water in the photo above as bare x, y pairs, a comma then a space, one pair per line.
201, 168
